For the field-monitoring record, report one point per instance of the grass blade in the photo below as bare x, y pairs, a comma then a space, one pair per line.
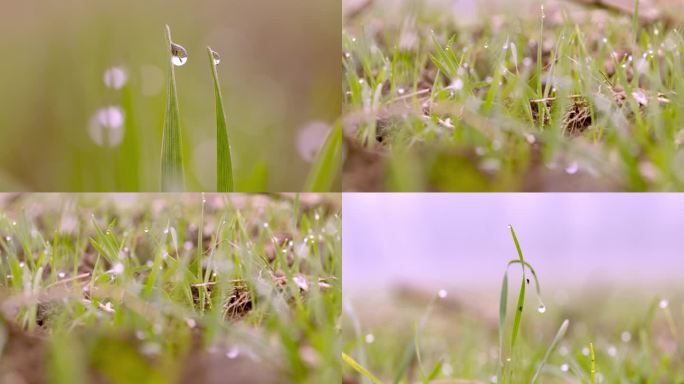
358, 368
559, 335
503, 305
172, 156
327, 166
521, 295
224, 162
593, 363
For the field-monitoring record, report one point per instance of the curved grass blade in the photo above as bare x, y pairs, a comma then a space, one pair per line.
224, 162
172, 156
358, 368
559, 335
328, 163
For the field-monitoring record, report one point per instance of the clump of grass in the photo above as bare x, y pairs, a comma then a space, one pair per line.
172, 179
179, 288
543, 103
224, 162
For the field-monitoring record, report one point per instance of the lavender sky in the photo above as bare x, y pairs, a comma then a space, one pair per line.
462, 239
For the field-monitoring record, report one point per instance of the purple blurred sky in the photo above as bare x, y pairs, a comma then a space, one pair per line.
463, 239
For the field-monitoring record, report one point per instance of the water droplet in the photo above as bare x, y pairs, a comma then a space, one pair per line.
310, 139
541, 308
456, 84
22, 264
626, 336
370, 338
265, 225
106, 126
14, 223
663, 303
585, 351
8, 238
117, 269
442, 293
166, 230
564, 367
115, 77
187, 245
612, 351
179, 56
61, 275
486, 45
233, 352
530, 138
572, 168
216, 56
146, 230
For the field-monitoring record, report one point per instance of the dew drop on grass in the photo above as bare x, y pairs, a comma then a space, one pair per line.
370, 338
179, 56
572, 168
61, 275
233, 352
216, 56
146, 230
442, 294
541, 308
115, 77
585, 351
612, 351
14, 223
663, 303
626, 336
564, 367
8, 238
310, 139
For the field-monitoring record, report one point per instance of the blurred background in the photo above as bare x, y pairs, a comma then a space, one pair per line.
84, 88
461, 241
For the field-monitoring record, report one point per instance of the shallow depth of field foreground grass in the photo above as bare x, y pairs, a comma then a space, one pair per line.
556, 95
604, 333
169, 288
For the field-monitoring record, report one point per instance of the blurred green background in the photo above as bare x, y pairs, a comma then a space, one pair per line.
280, 80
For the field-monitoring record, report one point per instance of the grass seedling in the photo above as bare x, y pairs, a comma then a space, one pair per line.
224, 162
172, 179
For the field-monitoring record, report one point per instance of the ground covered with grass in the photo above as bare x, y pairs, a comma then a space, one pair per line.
602, 333
561, 95
169, 288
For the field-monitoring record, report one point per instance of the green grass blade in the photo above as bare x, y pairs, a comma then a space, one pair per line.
224, 162
559, 335
593, 363
521, 295
358, 368
327, 166
172, 157
503, 305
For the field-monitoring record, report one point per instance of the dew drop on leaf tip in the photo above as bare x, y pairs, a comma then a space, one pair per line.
179, 56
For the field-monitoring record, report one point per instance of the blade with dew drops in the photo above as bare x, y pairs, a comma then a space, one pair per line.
224, 162
521, 296
172, 179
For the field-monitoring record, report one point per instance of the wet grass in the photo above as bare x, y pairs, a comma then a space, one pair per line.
565, 96
172, 179
415, 335
93, 57
224, 162
173, 288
